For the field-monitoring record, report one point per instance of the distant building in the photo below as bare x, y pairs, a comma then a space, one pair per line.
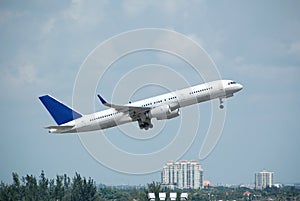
182, 175
263, 179
207, 184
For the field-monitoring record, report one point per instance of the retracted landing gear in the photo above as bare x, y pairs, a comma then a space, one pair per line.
221, 103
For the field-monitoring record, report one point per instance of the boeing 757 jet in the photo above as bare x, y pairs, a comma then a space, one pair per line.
165, 106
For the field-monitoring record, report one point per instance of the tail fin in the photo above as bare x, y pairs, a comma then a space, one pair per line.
60, 112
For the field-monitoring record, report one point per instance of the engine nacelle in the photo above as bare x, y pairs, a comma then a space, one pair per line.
174, 106
173, 114
163, 112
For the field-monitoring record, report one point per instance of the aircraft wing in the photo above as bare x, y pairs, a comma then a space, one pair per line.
134, 112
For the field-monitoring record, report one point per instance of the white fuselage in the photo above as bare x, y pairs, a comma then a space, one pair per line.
177, 99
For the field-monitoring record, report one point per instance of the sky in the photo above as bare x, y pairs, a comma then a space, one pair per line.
257, 43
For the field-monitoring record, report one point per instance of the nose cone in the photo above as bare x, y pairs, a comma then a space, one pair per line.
239, 87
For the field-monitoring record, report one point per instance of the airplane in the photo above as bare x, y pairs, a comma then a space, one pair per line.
165, 106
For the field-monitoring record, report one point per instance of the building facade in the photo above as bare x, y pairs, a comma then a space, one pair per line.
263, 179
182, 175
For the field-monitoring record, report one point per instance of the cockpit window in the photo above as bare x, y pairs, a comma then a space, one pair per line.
229, 83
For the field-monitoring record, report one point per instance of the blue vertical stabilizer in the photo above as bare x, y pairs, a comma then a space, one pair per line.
60, 112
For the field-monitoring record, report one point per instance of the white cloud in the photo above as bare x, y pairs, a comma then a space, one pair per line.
185, 48
167, 8
196, 39
75, 10
287, 74
239, 60
295, 48
216, 55
181, 47
170, 7
85, 15
48, 26
133, 8
25, 74
28, 73
6, 17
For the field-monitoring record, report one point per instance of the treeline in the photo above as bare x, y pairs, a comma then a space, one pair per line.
64, 188
78, 188
61, 188
242, 193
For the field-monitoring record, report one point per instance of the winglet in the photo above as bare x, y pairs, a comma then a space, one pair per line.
102, 100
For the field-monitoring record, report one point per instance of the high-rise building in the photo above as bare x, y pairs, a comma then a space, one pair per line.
182, 175
263, 179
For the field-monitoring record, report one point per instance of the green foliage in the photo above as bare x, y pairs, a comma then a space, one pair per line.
64, 188
83, 189
61, 189
154, 187
43, 187
242, 193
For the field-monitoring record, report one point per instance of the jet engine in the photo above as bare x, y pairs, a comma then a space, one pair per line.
163, 112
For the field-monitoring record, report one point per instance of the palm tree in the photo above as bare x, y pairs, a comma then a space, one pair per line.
154, 187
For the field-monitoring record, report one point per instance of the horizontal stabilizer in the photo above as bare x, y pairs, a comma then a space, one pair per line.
60, 112
59, 129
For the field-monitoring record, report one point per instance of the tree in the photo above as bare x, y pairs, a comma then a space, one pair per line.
67, 187
43, 187
31, 187
59, 188
51, 189
4, 191
154, 187
89, 188
76, 188
15, 188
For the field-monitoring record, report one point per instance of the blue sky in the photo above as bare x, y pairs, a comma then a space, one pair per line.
44, 43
